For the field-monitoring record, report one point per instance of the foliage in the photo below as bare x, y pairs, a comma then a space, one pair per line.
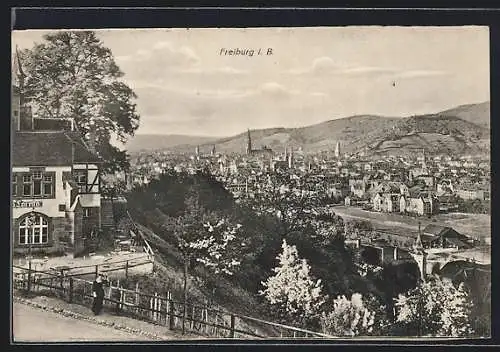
216, 248
287, 200
474, 206
353, 317
72, 75
355, 228
112, 188
291, 289
435, 308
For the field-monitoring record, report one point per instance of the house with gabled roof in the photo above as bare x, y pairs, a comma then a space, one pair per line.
56, 199
444, 237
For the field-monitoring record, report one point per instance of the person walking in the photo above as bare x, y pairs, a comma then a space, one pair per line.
98, 294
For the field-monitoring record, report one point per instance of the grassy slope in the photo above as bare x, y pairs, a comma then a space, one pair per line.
475, 113
226, 295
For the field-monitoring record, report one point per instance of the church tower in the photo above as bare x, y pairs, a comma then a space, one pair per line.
420, 255
337, 150
290, 159
249, 143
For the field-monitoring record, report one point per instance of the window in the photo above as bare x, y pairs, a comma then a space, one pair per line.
27, 185
47, 185
33, 229
37, 184
81, 180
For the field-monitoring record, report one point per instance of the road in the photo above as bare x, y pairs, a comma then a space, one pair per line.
36, 325
468, 224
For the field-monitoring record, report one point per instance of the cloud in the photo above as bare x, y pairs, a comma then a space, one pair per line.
276, 90
421, 74
366, 70
163, 57
318, 94
327, 66
225, 70
319, 65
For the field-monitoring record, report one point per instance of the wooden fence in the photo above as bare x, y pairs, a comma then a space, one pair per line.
160, 308
94, 269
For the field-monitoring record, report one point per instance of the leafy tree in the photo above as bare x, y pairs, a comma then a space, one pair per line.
355, 228
291, 290
352, 317
329, 228
72, 75
206, 238
435, 308
285, 199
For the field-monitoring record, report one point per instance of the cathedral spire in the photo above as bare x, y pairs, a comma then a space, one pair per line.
249, 142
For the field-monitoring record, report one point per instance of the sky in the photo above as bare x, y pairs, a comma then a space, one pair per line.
187, 85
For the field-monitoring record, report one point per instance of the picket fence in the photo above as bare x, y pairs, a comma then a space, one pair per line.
160, 308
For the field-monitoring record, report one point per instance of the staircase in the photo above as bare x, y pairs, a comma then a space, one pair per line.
107, 215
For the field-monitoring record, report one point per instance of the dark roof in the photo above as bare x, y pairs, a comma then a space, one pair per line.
44, 148
436, 230
48, 124
457, 242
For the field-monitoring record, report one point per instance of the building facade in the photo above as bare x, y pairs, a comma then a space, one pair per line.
56, 199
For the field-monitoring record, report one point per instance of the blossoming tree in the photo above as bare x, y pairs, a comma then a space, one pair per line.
435, 308
206, 237
349, 317
291, 290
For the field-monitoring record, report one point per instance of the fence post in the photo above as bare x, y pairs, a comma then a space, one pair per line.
122, 298
62, 281
126, 269
170, 313
137, 299
96, 269
233, 318
70, 298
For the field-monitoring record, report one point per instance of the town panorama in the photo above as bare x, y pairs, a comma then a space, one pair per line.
164, 187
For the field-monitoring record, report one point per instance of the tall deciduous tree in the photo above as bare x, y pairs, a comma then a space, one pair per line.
206, 238
351, 317
73, 75
435, 308
291, 289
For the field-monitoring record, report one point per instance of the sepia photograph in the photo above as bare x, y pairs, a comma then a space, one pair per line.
278, 183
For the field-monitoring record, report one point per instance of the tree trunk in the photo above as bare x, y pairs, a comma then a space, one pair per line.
184, 310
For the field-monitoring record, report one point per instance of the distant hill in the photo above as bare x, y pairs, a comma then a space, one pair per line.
464, 129
159, 142
475, 113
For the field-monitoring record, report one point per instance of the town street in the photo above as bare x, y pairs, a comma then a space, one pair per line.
35, 325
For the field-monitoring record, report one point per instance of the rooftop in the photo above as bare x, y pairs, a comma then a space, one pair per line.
49, 148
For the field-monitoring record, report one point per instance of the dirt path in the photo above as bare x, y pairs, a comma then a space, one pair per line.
34, 325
